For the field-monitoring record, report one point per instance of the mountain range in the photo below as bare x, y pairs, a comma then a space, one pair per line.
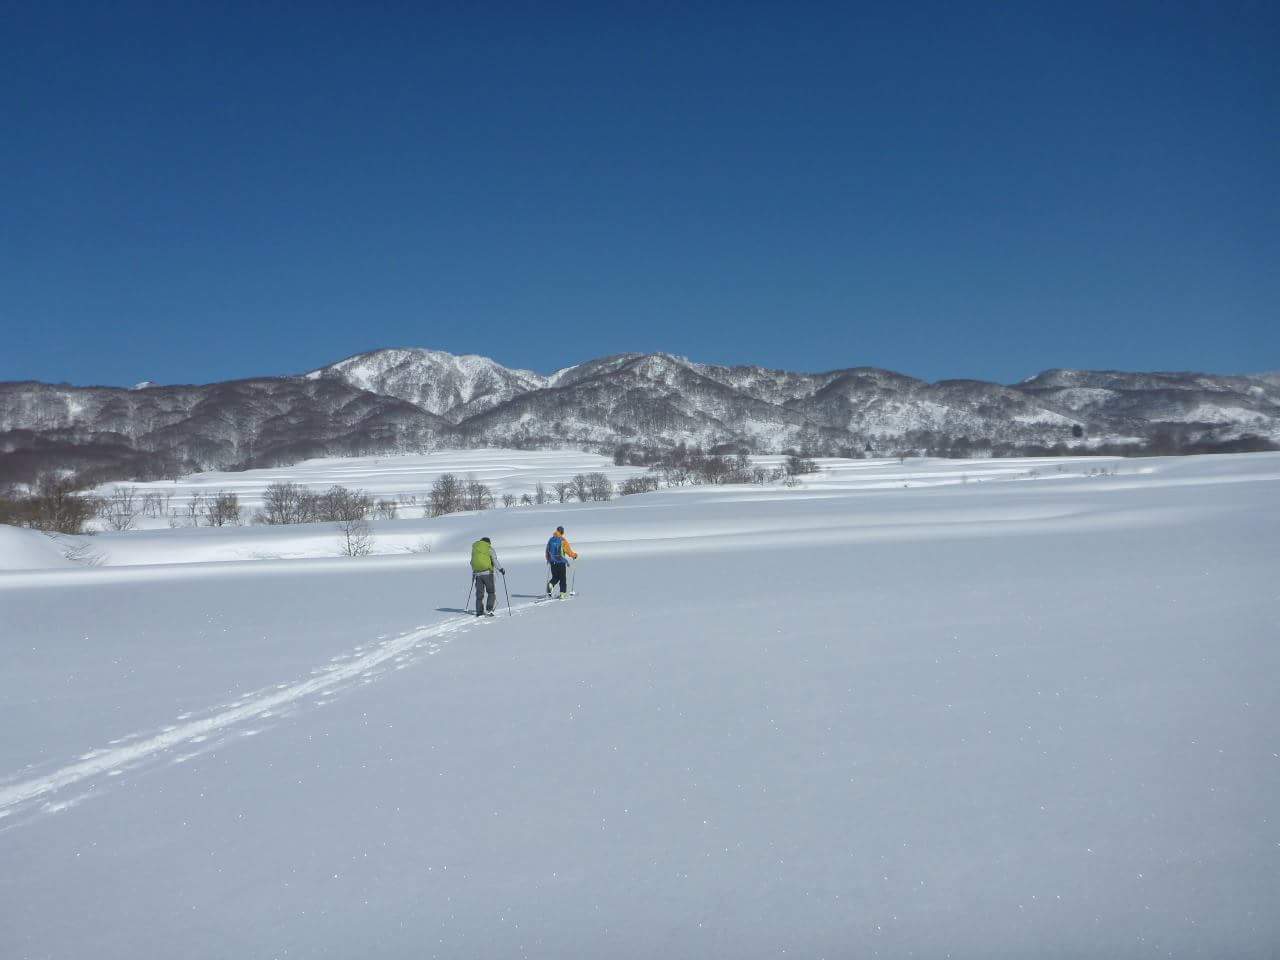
393, 400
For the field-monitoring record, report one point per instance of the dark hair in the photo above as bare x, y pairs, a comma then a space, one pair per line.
486, 540
559, 529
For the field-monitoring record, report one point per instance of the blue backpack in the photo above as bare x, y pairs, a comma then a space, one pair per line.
554, 550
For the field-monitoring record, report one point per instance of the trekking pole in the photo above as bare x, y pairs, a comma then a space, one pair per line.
573, 579
466, 604
508, 593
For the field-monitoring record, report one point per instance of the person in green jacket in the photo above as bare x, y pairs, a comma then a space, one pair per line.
484, 560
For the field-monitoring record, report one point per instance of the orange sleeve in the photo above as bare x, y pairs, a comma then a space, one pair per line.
568, 550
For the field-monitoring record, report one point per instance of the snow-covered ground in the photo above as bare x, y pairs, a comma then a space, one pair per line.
31, 550
516, 472
983, 709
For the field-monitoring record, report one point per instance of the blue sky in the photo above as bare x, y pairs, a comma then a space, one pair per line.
194, 192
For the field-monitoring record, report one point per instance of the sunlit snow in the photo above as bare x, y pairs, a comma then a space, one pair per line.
965, 708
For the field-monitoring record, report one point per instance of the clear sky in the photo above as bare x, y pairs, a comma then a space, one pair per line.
192, 192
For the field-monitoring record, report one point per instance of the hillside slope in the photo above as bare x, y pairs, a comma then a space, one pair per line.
412, 400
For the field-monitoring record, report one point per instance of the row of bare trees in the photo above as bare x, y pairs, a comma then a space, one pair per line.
123, 507
683, 468
452, 494
220, 509
284, 502
60, 505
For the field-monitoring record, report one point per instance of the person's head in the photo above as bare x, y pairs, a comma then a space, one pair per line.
486, 540
560, 530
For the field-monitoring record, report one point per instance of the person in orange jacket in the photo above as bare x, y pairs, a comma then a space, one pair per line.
558, 555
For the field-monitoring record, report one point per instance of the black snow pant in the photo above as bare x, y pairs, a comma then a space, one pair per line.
485, 584
559, 576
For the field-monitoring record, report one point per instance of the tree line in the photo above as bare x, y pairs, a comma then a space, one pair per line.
1173, 440
684, 465
61, 503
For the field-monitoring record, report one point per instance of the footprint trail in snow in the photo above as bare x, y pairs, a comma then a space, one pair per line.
130, 750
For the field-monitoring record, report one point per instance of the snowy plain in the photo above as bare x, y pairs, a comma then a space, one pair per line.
968, 709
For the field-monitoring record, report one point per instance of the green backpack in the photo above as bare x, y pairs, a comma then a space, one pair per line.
481, 557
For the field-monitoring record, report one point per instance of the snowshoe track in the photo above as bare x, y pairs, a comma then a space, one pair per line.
269, 703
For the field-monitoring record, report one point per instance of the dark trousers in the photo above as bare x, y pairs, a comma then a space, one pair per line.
559, 576
485, 584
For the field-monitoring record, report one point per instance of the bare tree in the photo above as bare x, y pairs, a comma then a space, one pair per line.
355, 537
58, 507
540, 495
385, 509
580, 486
446, 495
340, 504
599, 486
311, 507
563, 490
642, 484
477, 496
282, 502
526, 500
120, 510
222, 509
508, 500
197, 508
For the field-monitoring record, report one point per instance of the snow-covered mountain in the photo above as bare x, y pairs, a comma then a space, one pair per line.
1130, 401
170, 430
449, 386
659, 399
414, 399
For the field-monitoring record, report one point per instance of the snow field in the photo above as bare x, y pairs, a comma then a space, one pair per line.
30, 550
999, 718
386, 477
519, 472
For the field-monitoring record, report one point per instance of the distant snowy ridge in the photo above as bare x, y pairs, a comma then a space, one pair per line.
414, 399
449, 386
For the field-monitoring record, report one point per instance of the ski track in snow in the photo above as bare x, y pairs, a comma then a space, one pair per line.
266, 704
